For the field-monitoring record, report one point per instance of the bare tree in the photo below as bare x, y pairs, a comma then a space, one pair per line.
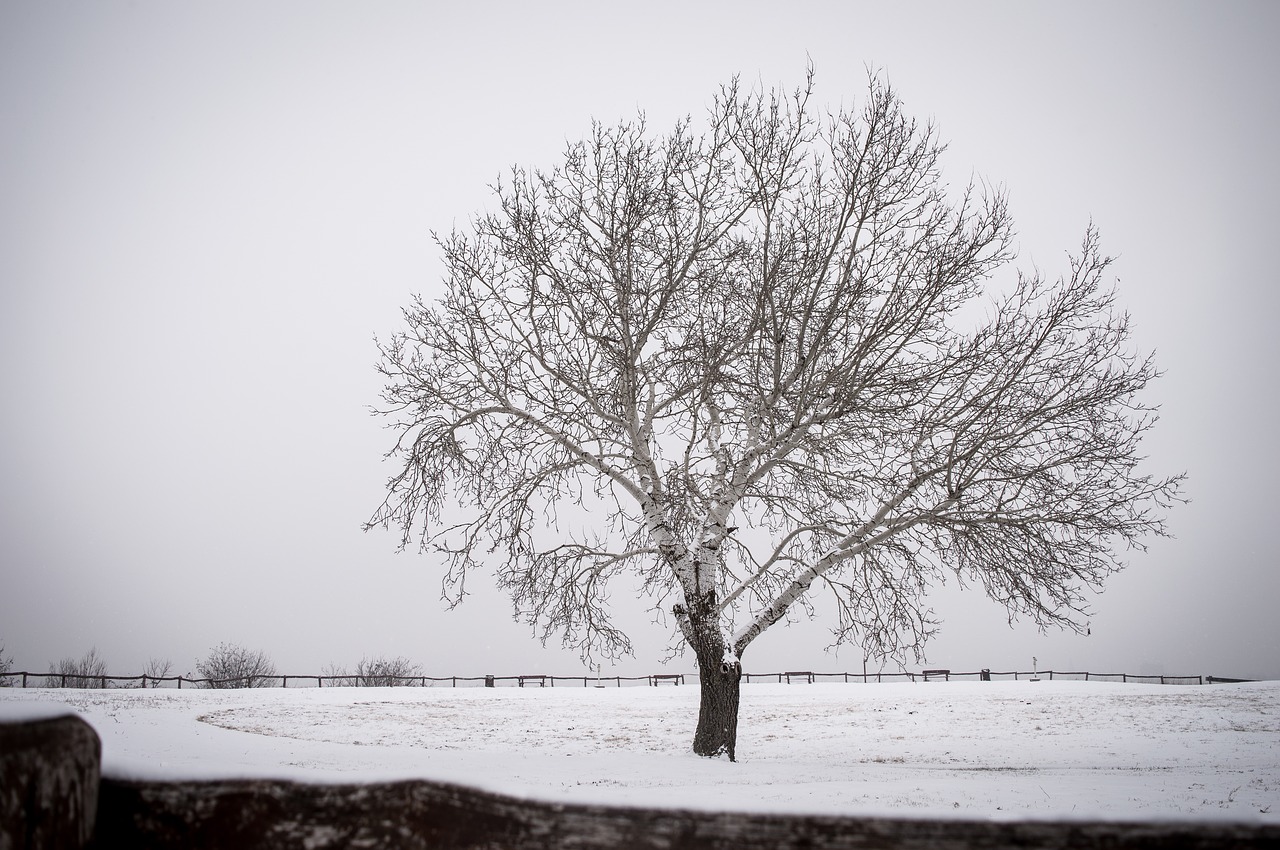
756, 358
229, 665
89, 671
382, 672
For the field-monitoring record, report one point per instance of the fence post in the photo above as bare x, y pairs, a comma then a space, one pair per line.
284, 681
24, 679
179, 683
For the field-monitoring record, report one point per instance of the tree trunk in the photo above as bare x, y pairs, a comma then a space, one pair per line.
718, 713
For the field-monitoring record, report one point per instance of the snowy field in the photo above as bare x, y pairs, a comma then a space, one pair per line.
951, 749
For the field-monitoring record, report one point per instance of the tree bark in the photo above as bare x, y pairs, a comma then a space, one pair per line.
720, 680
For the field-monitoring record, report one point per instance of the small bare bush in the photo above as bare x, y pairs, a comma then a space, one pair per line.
156, 669
89, 671
337, 677
383, 672
230, 665
6, 664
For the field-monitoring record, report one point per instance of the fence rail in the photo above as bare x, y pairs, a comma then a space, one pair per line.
25, 679
807, 676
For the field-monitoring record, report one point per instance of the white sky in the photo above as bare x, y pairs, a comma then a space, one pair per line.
208, 210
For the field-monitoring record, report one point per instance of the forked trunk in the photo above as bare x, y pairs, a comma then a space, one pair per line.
718, 713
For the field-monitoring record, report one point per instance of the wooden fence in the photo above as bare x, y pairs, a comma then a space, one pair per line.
24, 679
811, 677
59, 680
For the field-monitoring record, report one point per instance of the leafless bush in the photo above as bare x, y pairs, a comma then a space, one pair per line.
230, 665
89, 671
156, 669
338, 677
383, 672
6, 664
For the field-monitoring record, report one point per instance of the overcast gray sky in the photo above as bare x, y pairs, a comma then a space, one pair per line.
207, 210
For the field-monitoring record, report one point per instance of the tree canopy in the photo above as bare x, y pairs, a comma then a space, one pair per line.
773, 356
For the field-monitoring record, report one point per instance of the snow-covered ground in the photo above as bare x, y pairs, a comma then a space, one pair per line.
956, 749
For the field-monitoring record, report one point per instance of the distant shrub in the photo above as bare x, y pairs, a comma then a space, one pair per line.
89, 671
338, 677
156, 669
6, 664
229, 665
386, 672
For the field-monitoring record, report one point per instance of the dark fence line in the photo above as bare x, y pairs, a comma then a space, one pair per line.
811, 677
59, 680
25, 679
